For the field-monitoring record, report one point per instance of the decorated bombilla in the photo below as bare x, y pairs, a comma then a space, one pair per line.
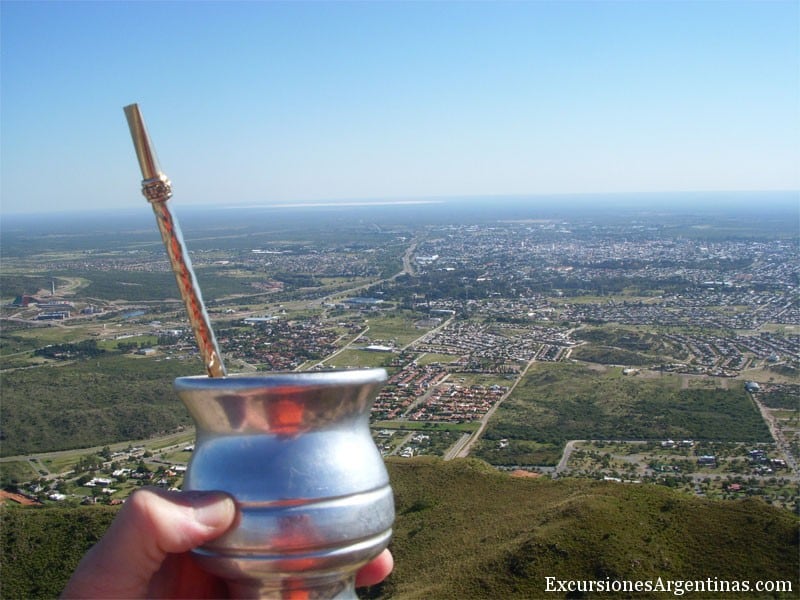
312, 492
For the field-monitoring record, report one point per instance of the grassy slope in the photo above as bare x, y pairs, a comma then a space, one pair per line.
41, 547
91, 402
464, 530
556, 402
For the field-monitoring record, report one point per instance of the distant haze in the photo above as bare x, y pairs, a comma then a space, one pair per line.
782, 209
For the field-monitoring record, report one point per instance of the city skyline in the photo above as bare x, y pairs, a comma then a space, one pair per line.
271, 103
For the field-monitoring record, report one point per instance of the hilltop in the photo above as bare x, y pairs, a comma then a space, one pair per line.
465, 530
468, 531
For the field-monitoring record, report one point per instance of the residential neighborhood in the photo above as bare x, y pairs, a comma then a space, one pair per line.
459, 314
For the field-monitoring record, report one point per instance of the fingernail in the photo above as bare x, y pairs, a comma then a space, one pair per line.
215, 511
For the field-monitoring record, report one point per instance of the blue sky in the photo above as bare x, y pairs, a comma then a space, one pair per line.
269, 102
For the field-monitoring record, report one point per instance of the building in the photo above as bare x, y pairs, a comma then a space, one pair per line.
24, 301
53, 316
360, 301
752, 387
56, 306
256, 320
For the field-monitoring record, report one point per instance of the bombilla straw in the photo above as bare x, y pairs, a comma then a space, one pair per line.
157, 189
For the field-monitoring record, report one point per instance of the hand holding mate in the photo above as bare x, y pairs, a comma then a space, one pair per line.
145, 552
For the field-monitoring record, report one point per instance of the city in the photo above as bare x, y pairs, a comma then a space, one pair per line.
470, 312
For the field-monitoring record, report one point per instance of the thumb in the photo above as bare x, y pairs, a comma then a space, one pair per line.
152, 524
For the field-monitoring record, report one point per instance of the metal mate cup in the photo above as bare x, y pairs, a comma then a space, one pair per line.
313, 495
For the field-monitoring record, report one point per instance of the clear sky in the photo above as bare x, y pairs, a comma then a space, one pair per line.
272, 102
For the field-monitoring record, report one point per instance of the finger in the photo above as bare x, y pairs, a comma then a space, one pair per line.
152, 524
376, 570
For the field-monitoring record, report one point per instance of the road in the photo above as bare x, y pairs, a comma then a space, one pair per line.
361, 334
427, 333
641, 461
476, 435
402, 443
777, 435
456, 448
37, 460
569, 447
408, 269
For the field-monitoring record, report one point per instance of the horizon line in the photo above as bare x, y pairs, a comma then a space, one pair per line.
399, 201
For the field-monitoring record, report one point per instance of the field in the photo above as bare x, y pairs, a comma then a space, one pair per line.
397, 328
93, 402
18, 470
560, 402
360, 358
429, 358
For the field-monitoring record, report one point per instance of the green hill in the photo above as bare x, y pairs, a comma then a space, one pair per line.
110, 398
464, 530
467, 531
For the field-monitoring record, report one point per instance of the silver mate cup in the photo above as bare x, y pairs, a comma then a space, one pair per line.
312, 491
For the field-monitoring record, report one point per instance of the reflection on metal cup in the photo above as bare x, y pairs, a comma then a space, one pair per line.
312, 492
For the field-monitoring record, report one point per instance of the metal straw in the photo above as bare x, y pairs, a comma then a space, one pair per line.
157, 189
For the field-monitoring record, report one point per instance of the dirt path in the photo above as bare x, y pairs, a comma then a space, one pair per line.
776, 433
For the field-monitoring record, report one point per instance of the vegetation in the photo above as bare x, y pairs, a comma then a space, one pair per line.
84, 349
431, 358
464, 530
560, 402
108, 399
42, 547
360, 358
136, 286
612, 356
641, 347
13, 285
783, 396
397, 326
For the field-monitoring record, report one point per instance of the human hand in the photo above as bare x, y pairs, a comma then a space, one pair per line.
145, 552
